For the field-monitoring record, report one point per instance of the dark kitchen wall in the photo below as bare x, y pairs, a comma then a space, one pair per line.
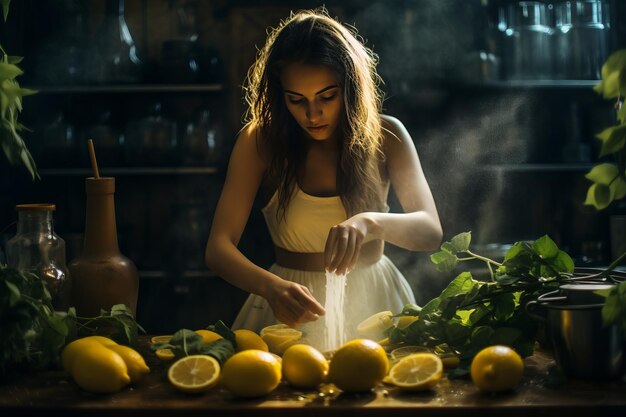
505, 138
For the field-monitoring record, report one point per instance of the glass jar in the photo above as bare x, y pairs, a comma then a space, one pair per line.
37, 249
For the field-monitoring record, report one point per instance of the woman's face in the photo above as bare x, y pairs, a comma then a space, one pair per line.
313, 98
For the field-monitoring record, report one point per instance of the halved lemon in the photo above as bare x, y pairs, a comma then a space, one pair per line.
161, 339
405, 351
374, 327
165, 354
279, 337
195, 373
416, 372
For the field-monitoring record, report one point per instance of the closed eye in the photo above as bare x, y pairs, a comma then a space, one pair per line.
330, 97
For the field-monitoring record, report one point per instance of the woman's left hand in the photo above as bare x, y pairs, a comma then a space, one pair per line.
344, 244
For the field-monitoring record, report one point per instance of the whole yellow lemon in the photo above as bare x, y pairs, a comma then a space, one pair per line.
304, 366
497, 368
99, 369
247, 339
251, 373
358, 365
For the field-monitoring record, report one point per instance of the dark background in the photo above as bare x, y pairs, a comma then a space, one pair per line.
504, 155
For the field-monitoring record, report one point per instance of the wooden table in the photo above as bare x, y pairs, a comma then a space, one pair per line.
543, 392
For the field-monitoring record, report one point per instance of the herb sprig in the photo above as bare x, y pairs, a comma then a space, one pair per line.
470, 314
33, 333
186, 342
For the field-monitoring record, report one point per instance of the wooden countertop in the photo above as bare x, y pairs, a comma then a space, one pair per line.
542, 392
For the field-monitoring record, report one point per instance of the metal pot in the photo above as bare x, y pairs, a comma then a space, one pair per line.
583, 347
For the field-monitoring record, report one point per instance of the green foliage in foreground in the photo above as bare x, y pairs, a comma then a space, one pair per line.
33, 333
469, 314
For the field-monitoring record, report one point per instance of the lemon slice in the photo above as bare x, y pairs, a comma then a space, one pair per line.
279, 337
405, 351
161, 339
405, 321
165, 354
374, 327
416, 372
450, 360
195, 373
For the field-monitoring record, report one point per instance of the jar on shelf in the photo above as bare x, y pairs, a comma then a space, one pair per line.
581, 38
114, 57
527, 38
201, 144
38, 249
153, 139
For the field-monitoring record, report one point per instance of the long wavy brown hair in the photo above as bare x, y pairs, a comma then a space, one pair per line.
312, 37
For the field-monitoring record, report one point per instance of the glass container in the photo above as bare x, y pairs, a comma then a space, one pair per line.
38, 249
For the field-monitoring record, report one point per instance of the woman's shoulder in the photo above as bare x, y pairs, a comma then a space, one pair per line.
249, 141
394, 132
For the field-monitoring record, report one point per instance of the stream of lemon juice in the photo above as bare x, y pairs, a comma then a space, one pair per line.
334, 332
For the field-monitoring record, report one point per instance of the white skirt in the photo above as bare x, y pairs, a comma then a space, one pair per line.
369, 290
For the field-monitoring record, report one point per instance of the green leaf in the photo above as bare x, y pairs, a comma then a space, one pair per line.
602, 173
545, 247
599, 196
5, 8
621, 114
224, 331
615, 142
9, 71
14, 59
563, 262
507, 336
461, 242
444, 260
612, 82
618, 188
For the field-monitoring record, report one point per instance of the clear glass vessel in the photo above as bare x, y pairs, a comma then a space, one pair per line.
38, 249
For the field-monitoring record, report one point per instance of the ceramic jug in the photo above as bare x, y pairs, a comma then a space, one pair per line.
102, 276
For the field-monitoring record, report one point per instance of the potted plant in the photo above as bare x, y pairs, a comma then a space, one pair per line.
11, 95
609, 179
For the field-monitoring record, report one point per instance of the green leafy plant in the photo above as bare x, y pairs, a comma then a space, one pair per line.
33, 333
609, 179
470, 314
186, 342
11, 96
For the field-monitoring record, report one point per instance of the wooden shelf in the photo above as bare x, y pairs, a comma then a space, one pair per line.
129, 171
191, 274
534, 84
131, 88
574, 167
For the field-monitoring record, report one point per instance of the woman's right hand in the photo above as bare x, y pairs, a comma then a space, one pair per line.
293, 304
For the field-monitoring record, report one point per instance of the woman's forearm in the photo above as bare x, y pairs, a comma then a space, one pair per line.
416, 231
230, 264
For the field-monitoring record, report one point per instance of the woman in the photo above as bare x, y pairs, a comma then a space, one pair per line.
318, 147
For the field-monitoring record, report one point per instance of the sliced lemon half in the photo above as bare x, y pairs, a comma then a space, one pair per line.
419, 371
405, 351
195, 373
161, 339
165, 354
374, 327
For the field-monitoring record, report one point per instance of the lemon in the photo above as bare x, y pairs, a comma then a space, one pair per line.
374, 327
194, 373
165, 354
416, 372
99, 369
405, 321
497, 368
208, 336
279, 337
74, 348
160, 339
358, 365
135, 363
247, 339
404, 351
450, 360
251, 373
304, 366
